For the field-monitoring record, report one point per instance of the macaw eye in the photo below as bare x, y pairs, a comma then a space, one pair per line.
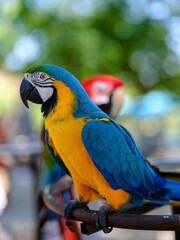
43, 76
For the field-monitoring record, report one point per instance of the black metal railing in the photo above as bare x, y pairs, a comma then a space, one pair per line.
132, 219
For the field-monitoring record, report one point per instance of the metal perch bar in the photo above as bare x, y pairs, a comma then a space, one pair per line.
126, 220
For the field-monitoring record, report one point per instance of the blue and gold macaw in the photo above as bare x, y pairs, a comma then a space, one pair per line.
100, 155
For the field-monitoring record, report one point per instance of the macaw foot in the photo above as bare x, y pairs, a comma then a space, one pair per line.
70, 206
102, 217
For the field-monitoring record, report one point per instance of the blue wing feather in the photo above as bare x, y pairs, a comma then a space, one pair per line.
115, 154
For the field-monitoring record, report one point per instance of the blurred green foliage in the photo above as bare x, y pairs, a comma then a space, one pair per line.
107, 39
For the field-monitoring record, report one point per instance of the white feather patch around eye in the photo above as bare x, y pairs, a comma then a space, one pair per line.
27, 77
45, 93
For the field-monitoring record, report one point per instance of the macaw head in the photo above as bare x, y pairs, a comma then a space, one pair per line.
106, 91
48, 84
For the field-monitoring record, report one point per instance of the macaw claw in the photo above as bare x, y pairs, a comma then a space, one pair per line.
70, 206
102, 217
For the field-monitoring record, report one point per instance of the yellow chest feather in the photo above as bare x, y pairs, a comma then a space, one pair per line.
66, 137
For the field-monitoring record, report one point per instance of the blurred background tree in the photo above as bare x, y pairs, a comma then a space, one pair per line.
135, 40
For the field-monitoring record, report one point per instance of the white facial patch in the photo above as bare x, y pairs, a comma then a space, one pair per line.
45, 93
42, 82
27, 77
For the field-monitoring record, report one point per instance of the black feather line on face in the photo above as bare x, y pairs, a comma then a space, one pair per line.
49, 104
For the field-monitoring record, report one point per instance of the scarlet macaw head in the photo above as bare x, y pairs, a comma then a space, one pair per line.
106, 91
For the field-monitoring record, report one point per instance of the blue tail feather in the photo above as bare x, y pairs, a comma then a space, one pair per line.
174, 187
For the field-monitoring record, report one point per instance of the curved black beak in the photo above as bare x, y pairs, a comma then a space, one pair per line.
29, 92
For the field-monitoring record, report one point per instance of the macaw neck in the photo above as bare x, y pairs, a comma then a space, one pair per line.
65, 102
69, 104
